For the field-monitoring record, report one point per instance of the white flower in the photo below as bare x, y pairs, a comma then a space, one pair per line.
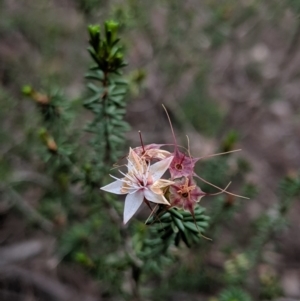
141, 181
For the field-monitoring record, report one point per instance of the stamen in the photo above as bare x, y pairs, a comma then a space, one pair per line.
182, 159
243, 197
217, 193
188, 149
219, 154
133, 167
172, 130
142, 143
152, 211
121, 180
129, 177
118, 166
205, 236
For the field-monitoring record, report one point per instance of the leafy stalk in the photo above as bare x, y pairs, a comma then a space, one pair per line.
107, 97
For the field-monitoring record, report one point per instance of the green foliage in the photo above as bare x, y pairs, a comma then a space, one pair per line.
166, 229
76, 169
289, 188
270, 287
234, 294
236, 268
176, 225
106, 96
105, 50
229, 141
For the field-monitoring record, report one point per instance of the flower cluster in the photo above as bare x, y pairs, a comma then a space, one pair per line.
143, 181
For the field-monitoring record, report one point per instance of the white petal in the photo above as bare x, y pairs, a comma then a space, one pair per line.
114, 187
132, 204
159, 168
130, 159
155, 198
162, 183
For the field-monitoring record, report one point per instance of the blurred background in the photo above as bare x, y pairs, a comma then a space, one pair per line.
228, 72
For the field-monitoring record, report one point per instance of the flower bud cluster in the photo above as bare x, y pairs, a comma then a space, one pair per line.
143, 181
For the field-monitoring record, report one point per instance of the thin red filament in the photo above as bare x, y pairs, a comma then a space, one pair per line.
142, 143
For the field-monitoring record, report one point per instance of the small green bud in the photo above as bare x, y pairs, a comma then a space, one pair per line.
83, 258
111, 29
87, 167
27, 90
47, 140
94, 30
119, 56
138, 76
111, 26
43, 134
229, 141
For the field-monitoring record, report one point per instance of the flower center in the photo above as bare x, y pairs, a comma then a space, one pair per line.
178, 166
185, 189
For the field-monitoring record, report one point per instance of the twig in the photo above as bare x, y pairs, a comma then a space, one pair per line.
45, 285
30, 176
124, 234
22, 251
22, 205
136, 263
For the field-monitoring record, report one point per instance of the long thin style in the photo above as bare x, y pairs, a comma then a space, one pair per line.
240, 196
